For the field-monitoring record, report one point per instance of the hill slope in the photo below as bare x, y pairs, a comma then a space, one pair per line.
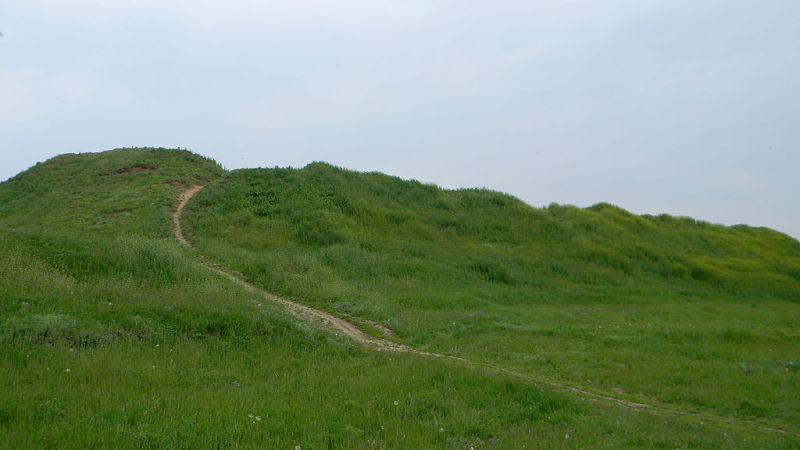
120, 191
653, 309
113, 335
322, 206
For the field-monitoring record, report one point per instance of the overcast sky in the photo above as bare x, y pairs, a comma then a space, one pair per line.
689, 107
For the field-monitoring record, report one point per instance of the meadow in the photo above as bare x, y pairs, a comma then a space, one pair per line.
112, 335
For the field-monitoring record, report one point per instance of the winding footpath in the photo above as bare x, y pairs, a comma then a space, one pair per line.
299, 311
343, 327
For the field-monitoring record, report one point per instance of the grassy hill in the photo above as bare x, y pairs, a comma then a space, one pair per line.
655, 309
113, 335
122, 191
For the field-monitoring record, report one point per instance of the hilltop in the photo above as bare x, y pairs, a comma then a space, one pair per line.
119, 191
113, 334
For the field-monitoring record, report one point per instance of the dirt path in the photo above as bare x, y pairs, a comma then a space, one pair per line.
343, 327
176, 216
298, 310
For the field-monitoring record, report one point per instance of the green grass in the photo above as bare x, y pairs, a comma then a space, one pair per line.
103, 193
657, 309
114, 336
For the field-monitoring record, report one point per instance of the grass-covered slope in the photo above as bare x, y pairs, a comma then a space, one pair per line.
154, 352
657, 309
479, 236
119, 191
114, 336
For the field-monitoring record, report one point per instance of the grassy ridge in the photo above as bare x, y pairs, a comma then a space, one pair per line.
114, 336
508, 241
658, 309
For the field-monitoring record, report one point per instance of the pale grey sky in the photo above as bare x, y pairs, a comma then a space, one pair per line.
688, 107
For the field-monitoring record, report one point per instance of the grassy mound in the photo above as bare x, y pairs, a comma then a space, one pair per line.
118, 191
114, 336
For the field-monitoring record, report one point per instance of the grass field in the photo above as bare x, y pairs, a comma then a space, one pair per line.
112, 335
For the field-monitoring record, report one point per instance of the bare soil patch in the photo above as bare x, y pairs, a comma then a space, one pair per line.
131, 169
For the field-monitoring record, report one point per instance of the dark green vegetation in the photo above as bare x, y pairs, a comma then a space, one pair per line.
113, 335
